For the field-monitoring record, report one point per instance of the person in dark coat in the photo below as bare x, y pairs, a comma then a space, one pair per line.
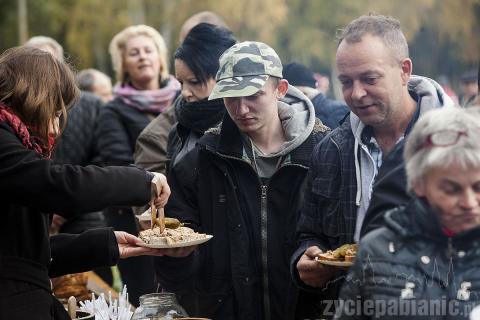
35, 91
424, 262
385, 99
144, 90
243, 183
196, 63
331, 112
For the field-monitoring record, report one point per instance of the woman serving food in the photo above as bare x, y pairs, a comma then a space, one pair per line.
35, 91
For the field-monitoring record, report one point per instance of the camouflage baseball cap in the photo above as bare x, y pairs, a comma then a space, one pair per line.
244, 69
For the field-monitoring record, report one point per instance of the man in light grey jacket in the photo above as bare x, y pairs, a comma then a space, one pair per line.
385, 100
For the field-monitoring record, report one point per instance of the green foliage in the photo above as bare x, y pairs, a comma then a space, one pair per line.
443, 34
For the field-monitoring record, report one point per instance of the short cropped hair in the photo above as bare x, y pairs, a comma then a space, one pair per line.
37, 86
46, 43
386, 28
87, 78
118, 45
197, 18
202, 49
420, 158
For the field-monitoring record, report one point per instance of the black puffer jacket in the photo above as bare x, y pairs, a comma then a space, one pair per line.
77, 143
119, 126
411, 261
223, 279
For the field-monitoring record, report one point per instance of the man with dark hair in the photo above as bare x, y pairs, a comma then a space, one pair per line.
243, 183
385, 100
331, 112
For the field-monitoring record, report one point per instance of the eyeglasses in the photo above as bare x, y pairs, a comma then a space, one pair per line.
443, 138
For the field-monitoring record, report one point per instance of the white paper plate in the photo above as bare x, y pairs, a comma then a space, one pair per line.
335, 263
178, 244
146, 216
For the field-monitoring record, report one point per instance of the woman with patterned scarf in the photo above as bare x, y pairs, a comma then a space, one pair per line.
35, 91
144, 89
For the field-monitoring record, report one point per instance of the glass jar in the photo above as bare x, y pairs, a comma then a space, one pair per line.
159, 306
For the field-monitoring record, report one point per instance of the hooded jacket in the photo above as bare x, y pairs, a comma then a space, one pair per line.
242, 273
411, 262
336, 185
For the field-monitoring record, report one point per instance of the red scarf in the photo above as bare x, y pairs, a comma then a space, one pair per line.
449, 233
21, 131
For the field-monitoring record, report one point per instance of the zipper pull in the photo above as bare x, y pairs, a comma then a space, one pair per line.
264, 191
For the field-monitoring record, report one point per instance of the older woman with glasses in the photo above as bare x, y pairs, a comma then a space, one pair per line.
425, 261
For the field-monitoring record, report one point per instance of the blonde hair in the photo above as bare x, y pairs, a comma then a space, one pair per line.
118, 45
48, 44
37, 86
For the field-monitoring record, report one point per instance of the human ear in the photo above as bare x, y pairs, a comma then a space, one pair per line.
282, 88
407, 67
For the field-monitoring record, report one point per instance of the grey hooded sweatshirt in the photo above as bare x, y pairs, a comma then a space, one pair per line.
430, 96
297, 116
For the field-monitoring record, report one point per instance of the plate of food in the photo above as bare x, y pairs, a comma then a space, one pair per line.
340, 257
172, 237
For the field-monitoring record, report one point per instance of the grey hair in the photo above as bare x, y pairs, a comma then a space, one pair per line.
466, 152
87, 78
385, 27
46, 44
118, 45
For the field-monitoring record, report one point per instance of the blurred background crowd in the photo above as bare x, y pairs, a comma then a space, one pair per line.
442, 34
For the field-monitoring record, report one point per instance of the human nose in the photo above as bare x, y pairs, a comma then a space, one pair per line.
186, 93
469, 200
358, 92
241, 107
142, 54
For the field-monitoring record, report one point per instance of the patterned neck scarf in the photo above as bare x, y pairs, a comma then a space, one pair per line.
22, 132
149, 101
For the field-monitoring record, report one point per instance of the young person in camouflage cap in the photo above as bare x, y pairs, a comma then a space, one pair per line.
243, 183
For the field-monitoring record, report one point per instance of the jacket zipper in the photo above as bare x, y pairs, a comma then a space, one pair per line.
264, 236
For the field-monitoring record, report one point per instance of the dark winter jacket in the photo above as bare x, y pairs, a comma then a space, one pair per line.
329, 215
31, 188
411, 262
77, 143
194, 119
242, 273
118, 128
331, 112
77, 146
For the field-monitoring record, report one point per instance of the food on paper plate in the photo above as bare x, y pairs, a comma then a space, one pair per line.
172, 235
346, 253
